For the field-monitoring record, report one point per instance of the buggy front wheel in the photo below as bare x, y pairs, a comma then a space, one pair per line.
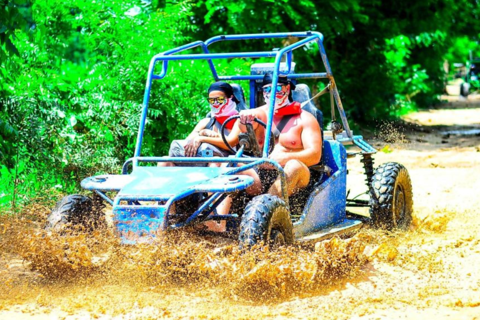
266, 219
76, 211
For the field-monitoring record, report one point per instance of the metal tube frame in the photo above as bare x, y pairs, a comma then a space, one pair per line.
172, 55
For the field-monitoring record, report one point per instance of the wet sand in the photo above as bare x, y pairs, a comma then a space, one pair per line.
427, 272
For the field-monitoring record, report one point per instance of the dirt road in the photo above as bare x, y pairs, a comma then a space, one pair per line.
428, 272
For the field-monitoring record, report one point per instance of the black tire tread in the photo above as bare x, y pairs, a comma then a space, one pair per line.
383, 183
258, 216
75, 210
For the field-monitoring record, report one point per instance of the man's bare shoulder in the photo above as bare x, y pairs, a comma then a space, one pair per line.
309, 119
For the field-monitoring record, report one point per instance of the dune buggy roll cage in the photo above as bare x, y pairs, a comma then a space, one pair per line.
166, 185
308, 37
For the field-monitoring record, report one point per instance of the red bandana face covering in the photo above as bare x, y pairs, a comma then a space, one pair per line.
223, 112
221, 120
282, 106
293, 108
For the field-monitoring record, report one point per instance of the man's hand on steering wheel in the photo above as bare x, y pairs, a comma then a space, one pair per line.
247, 117
251, 142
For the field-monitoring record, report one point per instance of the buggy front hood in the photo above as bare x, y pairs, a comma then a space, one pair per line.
155, 183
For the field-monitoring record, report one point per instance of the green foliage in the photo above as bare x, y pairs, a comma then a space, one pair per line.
461, 50
14, 15
72, 74
72, 99
378, 76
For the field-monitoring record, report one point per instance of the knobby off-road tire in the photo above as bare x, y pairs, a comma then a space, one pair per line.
266, 219
76, 211
391, 197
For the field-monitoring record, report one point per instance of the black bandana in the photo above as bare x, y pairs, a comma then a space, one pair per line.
282, 79
223, 87
268, 78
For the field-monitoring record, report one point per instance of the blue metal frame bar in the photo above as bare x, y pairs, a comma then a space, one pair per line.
207, 56
169, 55
362, 144
308, 36
104, 197
276, 73
211, 203
239, 154
172, 51
151, 76
185, 160
126, 197
252, 93
319, 75
183, 48
263, 36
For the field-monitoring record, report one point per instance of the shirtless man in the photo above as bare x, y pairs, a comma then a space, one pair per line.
298, 145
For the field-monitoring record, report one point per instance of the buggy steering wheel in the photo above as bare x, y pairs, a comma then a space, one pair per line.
249, 135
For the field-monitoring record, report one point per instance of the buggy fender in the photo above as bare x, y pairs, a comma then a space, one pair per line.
326, 205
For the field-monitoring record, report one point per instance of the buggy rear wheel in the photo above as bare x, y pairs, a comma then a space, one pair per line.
76, 211
391, 197
266, 219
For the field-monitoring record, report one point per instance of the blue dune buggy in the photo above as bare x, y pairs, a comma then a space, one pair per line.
142, 206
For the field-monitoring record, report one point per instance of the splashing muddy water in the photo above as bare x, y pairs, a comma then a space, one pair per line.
428, 272
182, 259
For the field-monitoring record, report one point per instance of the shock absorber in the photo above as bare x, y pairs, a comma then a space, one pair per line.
367, 161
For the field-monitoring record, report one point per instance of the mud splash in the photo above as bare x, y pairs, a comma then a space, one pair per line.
62, 267
183, 259
391, 132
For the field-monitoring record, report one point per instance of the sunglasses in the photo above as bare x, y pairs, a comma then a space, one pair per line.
218, 100
269, 88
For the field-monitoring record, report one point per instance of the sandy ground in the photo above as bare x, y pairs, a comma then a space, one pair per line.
428, 272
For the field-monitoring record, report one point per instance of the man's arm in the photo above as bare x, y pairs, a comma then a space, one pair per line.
200, 126
232, 138
247, 116
192, 140
311, 141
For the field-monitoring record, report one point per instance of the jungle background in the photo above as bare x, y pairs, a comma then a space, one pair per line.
72, 74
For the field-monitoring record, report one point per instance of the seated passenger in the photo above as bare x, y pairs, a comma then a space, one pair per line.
206, 134
298, 140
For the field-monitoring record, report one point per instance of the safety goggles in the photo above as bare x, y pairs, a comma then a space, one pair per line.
269, 88
218, 100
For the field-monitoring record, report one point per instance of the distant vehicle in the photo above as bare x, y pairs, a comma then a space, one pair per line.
472, 82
